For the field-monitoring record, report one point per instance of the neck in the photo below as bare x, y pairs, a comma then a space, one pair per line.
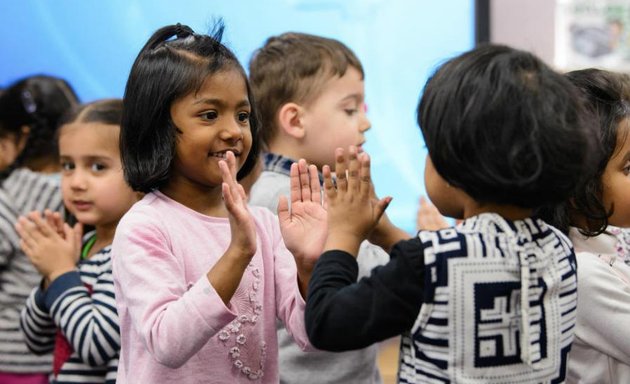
510, 212
208, 202
287, 148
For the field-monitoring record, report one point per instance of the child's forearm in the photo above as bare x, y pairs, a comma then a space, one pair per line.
343, 241
226, 274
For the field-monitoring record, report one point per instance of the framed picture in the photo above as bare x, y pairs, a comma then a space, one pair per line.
592, 33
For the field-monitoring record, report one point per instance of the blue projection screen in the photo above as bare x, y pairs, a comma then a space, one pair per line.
400, 42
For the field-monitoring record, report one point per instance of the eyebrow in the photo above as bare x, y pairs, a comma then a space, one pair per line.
221, 103
355, 96
88, 158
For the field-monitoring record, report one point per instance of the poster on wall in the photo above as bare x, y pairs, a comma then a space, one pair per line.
592, 33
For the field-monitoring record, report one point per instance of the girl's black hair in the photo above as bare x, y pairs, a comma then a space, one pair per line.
105, 111
607, 95
37, 102
174, 62
505, 128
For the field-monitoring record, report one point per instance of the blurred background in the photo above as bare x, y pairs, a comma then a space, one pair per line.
93, 44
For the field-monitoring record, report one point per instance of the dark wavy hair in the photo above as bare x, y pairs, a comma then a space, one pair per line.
505, 128
608, 97
37, 102
174, 62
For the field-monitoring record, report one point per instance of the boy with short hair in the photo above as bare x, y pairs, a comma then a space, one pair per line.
310, 94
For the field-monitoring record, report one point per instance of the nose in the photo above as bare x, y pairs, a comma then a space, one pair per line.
232, 131
78, 181
365, 123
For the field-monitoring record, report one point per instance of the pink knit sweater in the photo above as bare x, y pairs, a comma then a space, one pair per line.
174, 327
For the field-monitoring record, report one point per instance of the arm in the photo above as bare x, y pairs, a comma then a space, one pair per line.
37, 326
226, 274
89, 322
343, 315
604, 306
173, 317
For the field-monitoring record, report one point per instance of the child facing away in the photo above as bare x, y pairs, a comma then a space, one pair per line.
201, 277
593, 218
310, 94
73, 311
30, 109
493, 299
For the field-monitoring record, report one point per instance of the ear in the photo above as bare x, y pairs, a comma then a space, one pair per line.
290, 120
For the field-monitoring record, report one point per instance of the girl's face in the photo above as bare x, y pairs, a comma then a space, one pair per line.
92, 182
616, 178
211, 122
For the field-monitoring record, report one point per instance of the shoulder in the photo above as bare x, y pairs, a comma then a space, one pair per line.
267, 190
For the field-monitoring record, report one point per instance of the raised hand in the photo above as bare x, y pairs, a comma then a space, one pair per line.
303, 225
242, 227
353, 209
51, 252
428, 216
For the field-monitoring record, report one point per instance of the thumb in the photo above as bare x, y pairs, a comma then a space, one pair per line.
283, 209
381, 206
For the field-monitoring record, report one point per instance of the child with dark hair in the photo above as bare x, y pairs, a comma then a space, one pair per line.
200, 277
310, 94
30, 110
73, 311
596, 218
492, 299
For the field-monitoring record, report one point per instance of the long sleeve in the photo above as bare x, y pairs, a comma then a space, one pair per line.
342, 314
173, 317
37, 326
604, 306
89, 322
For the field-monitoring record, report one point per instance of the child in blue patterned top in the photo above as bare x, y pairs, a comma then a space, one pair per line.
493, 299
73, 312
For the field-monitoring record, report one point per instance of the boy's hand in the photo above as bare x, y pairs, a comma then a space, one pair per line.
51, 253
242, 227
353, 210
303, 227
428, 217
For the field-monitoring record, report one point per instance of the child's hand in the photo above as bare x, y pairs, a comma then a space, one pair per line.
353, 210
304, 225
51, 253
55, 221
242, 227
428, 217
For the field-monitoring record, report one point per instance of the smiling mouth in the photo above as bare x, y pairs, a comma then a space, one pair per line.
223, 154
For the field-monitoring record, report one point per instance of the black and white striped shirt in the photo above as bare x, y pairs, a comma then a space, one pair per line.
22, 192
82, 305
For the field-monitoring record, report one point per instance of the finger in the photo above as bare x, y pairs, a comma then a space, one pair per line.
329, 188
27, 249
231, 160
227, 197
229, 179
283, 209
305, 182
316, 189
41, 224
365, 178
27, 230
381, 206
340, 170
353, 170
296, 192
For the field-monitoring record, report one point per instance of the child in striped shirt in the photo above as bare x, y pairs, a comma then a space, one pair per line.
73, 311
30, 109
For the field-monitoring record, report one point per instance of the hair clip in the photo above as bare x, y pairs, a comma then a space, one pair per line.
28, 102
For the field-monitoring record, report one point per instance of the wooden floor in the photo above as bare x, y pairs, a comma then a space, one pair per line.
388, 360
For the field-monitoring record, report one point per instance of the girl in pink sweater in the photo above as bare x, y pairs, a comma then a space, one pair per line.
200, 277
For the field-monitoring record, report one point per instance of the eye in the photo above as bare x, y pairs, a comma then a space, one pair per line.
97, 167
210, 115
67, 166
351, 111
243, 117
626, 169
